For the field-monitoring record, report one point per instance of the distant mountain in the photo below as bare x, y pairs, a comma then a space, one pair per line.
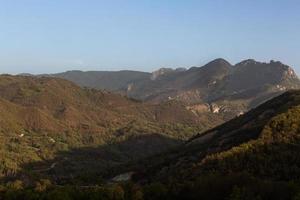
189, 86
217, 86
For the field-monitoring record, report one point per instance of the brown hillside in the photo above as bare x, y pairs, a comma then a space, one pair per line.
43, 116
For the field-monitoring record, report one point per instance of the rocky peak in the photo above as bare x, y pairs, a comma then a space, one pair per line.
273, 67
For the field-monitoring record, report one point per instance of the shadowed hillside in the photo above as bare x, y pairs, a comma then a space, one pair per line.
263, 143
91, 165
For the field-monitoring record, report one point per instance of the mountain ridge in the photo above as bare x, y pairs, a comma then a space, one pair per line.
218, 85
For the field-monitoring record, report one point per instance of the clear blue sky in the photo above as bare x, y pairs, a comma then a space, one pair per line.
39, 36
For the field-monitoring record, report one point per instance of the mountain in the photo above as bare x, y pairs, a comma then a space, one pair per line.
220, 86
217, 86
42, 117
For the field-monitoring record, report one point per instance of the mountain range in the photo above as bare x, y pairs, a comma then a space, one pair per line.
170, 134
217, 86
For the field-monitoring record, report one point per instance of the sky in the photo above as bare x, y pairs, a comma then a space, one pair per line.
48, 36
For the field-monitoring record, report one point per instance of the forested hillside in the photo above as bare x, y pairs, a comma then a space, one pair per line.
254, 156
52, 127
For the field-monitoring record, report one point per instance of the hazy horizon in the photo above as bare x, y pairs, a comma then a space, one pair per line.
57, 36
91, 69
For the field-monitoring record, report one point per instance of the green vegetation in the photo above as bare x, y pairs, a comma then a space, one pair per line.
213, 186
274, 154
84, 133
63, 142
255, 156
